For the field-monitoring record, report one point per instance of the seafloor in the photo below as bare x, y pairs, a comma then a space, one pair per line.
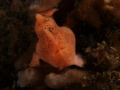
97, 40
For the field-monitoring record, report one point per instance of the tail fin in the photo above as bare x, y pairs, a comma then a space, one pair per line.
79, 61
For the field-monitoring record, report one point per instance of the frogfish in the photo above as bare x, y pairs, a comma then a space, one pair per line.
56, 45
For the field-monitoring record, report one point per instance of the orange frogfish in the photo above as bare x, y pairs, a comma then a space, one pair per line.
56, 45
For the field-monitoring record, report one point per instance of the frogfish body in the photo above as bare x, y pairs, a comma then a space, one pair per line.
56, 45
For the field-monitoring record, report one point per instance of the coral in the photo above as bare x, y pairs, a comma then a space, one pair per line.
87, 12
69, 77
106, 56
114, 6
56, 45
106, 80
29, 77
14, 41
94, 12
44, 5
115, 40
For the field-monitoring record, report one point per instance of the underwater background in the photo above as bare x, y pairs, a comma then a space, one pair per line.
96, 25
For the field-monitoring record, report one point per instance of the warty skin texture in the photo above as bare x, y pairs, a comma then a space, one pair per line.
56, 45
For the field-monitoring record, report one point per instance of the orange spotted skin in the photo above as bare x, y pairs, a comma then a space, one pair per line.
56, 45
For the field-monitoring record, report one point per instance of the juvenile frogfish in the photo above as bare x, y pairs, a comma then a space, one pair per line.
56, 45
